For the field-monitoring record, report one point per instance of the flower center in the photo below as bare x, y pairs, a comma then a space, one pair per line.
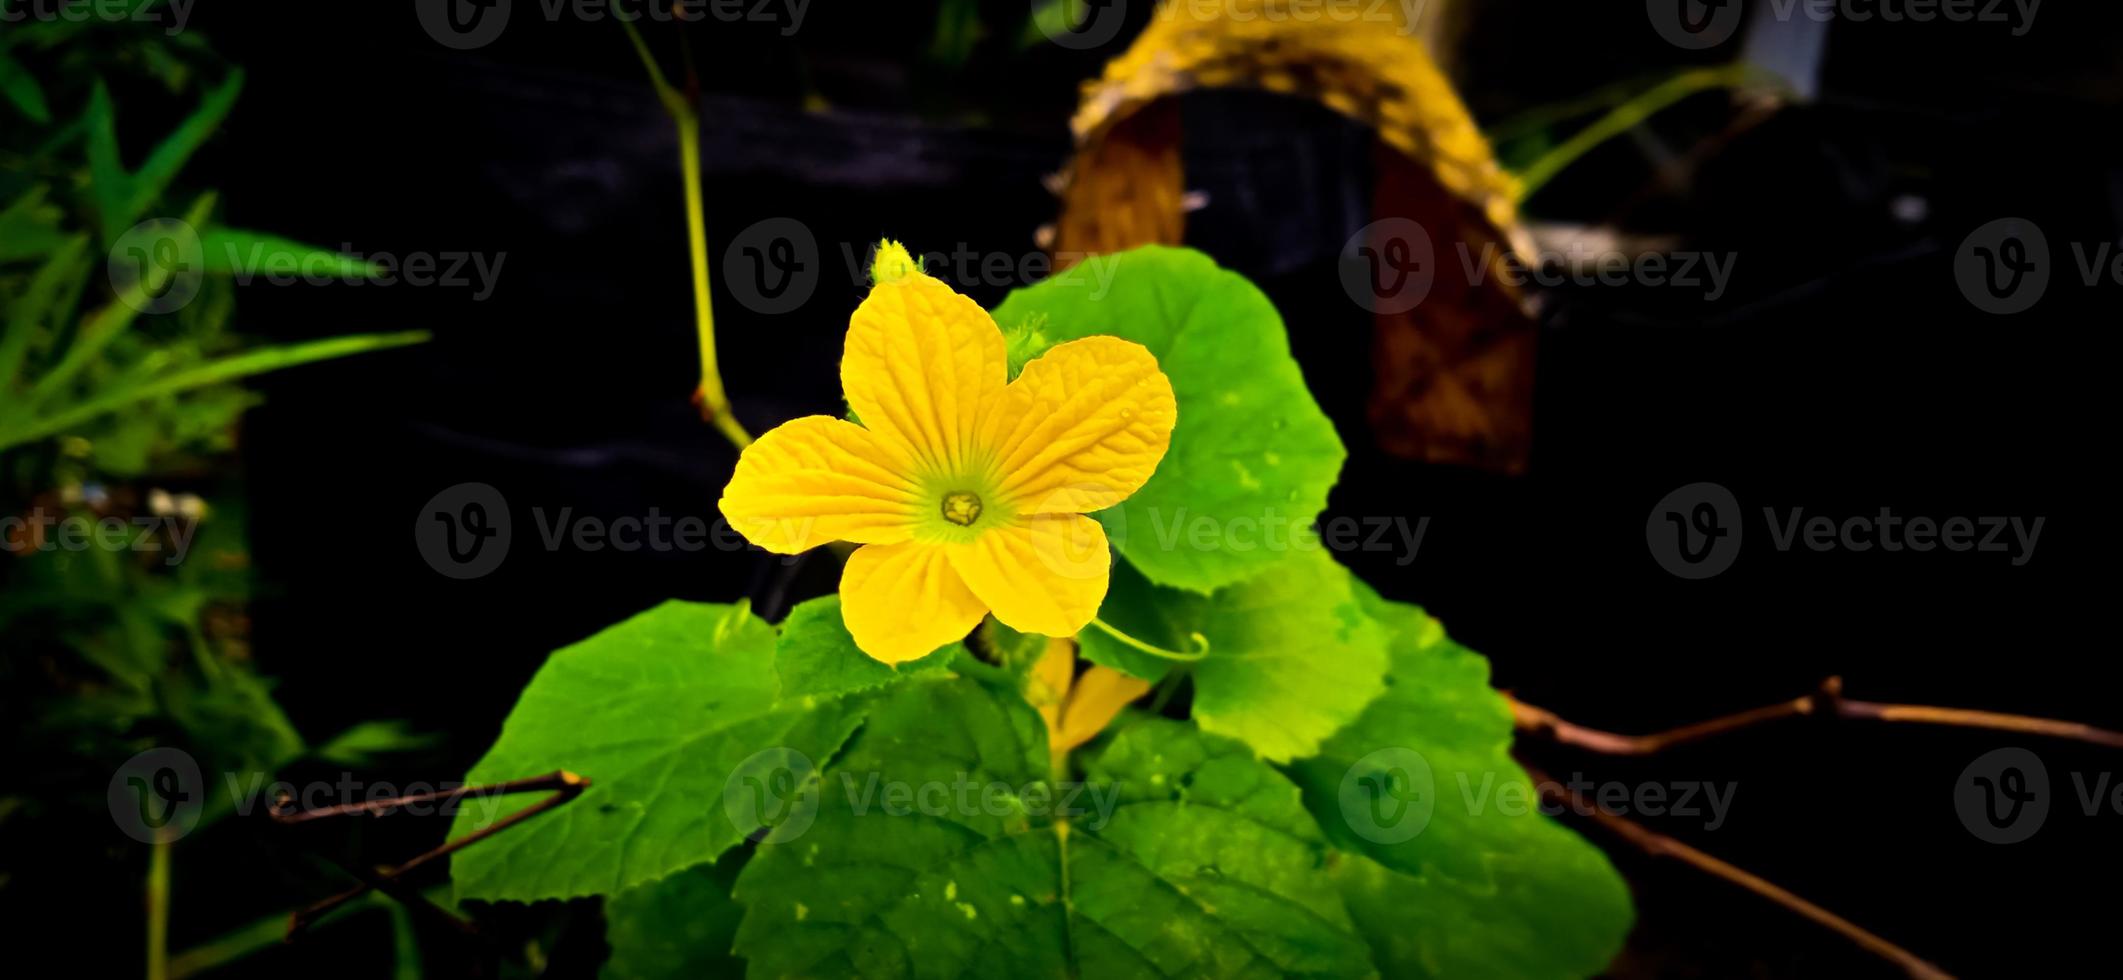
961, 508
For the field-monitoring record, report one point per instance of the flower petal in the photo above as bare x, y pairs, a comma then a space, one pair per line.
1041, 574
902, 601
818, 479
1049, 680
922, 366
1099, 696
1084, 426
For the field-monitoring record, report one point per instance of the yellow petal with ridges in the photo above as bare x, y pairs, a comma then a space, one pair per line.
818, 479
902, 601
1042, 574
923, 366
1083, 427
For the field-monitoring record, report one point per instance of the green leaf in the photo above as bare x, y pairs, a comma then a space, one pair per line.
679, 928
232, 716
122, 197
1184, 855
1229, 840
30, 227
958, 31
815, 655
846, 897
234, 367
108, 183
1049, 20
1252, 457
233, 251
1292, 655
367, 741
104, 326
32, 310
1467, 879
176, 149
21, 88
658, 712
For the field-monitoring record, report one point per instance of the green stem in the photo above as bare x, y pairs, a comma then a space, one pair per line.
1200, 643
1541, 118
1628, 116
713, 399
263, 934
967, 664
270, 932
158, 910
405, 943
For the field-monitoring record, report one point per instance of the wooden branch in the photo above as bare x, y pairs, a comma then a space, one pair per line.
1827, 702
1661, 846
565, 786
283, 810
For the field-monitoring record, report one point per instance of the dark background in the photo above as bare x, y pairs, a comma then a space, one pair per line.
1842, 372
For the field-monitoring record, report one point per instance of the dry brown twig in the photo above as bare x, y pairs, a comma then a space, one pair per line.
564, 786
1828, 702
1660, 845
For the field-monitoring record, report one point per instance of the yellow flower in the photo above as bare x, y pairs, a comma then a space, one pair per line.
966, 490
